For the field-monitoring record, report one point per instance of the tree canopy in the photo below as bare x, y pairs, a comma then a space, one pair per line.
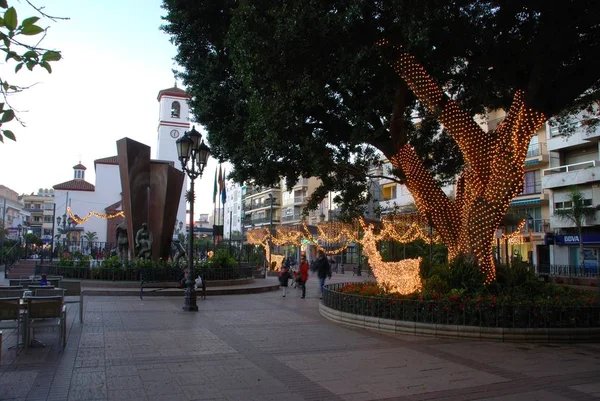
300, 88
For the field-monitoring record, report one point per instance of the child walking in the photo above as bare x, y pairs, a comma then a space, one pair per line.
284, 277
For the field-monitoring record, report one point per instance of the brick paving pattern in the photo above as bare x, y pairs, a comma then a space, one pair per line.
266, 347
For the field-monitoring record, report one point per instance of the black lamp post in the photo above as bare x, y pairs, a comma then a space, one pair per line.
193, 155
271, 199
530, 229
20, 227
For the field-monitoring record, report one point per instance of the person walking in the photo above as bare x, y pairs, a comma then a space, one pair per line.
303, 272
284, 278
323, 270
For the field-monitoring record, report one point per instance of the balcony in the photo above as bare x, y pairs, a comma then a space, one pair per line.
302, 182
260, 205
260, 220
579, 136
295, 201
536, 154
571, 174
290, 218
260, 190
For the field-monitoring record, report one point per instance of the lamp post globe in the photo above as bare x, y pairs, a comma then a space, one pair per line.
193, 154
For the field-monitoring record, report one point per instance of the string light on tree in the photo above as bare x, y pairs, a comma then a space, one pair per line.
493, 172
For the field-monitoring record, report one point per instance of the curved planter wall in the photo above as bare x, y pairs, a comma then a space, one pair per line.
454, 331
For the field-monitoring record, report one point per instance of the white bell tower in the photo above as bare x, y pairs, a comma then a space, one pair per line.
173, 122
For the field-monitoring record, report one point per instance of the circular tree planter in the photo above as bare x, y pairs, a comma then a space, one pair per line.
429, 318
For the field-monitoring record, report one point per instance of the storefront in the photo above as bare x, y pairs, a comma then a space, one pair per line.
566, 250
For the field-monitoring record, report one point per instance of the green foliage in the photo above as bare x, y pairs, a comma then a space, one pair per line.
23, 52
221, 259
516, 277
578, 211
296, 88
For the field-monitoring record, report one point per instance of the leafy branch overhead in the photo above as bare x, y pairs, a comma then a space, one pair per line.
300, 88
20, 41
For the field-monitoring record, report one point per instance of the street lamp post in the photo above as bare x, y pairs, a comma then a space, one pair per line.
193, 155
530, 229
270, 234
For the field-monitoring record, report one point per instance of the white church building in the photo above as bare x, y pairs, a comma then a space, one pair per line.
93, 204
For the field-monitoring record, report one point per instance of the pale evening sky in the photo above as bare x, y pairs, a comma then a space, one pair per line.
115, 61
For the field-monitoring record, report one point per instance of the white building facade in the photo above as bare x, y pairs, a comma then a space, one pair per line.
173, 122
234, 210
574, 162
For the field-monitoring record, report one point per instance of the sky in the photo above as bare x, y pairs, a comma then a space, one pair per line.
115, 61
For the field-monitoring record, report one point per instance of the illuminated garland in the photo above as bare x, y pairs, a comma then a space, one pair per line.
80, 220
515, 233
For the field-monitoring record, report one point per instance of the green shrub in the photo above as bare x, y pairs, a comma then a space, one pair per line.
221, 259
464, 274
433, 284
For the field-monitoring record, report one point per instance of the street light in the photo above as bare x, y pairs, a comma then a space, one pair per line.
270, 234
530, 229
20, 227
193, 155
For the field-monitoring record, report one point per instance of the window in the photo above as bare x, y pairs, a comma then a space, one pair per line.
389, 192
37, 219
37, 206
534, 213
532, 183
175, 109
534, 147
47, 219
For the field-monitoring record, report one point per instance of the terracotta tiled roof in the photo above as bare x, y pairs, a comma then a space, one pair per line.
79, 167
174, 91
107, 160
75, 185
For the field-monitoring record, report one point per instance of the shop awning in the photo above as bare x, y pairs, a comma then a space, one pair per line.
525, 202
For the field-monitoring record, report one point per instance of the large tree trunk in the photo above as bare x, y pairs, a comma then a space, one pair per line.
493, 173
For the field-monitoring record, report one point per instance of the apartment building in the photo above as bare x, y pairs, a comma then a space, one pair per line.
265, 205
12, 213
573, 161
41, 209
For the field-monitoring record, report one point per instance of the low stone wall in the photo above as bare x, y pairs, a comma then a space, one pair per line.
569, 335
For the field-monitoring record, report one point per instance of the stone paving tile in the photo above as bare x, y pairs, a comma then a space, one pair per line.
590, 388
265, 347
16, 384
540, 395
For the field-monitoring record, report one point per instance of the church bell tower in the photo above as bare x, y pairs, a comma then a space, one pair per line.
173, 122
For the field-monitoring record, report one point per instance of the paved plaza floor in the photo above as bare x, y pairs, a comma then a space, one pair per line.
266, 347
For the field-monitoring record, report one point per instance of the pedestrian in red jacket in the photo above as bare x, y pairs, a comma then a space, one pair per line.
303, 272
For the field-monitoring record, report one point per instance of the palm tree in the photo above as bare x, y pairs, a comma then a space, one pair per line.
576, 214
91, 236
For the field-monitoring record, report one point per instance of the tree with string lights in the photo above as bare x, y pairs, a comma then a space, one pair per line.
327, 88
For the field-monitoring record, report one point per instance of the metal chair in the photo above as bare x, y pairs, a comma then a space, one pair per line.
73, 288
10, 317
46, 312
48, 292
9, 292
39, 287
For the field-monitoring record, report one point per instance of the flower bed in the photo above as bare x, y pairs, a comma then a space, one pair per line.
551, 307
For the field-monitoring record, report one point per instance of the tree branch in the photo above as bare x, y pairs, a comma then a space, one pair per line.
39, 10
